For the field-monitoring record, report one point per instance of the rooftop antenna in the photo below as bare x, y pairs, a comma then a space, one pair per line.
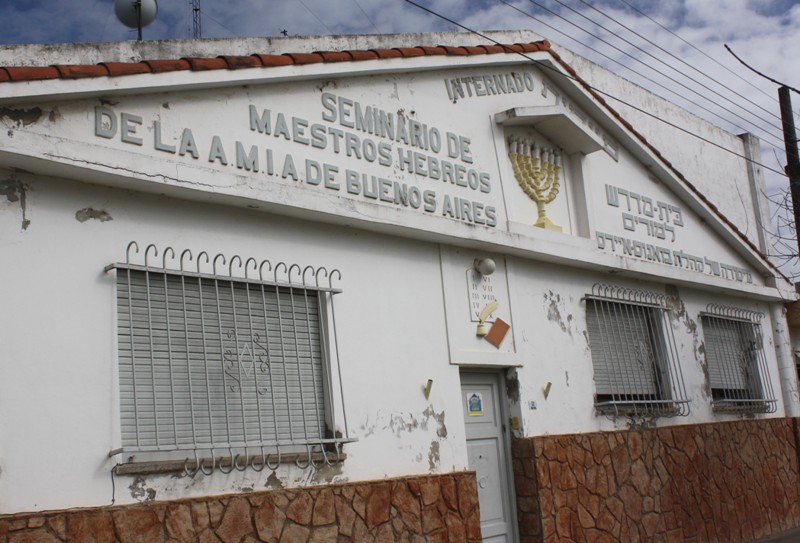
136, 13
197, 30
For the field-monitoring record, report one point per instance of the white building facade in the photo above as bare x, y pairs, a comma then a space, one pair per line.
301, 296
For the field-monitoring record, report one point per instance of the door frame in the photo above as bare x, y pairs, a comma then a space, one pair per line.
500, 375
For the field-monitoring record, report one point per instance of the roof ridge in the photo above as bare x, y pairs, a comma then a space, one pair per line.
13, 74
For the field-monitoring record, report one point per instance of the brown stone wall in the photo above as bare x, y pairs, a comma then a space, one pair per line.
726, 482
437, 508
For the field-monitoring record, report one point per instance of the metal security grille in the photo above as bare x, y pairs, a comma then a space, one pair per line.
636, 367
737, 368
221, 365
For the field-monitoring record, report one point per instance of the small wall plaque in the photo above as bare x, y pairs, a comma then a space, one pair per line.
475, 404
481, 293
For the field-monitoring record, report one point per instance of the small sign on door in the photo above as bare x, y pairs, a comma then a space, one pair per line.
475, 404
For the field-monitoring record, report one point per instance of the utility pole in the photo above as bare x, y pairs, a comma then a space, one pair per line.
789, 142
197, 31
792, 158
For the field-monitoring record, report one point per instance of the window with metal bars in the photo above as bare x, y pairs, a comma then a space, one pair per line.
636, 367
223, 366
737, 368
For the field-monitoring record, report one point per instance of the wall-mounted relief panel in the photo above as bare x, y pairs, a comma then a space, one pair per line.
544, 149
480, 326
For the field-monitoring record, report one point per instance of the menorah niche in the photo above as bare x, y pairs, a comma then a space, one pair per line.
537, 170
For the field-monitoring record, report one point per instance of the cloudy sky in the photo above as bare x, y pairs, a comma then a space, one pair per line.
673, 47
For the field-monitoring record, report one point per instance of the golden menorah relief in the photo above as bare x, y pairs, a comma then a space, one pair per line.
537, 169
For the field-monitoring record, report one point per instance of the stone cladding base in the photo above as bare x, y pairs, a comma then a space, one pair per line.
425, 509
725, 482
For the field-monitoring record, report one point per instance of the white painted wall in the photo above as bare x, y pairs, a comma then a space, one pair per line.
58, 381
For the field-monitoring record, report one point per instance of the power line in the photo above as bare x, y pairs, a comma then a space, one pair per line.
206, 14
634, 8
592, 88
596, 51
600, 92
760, 73
632, 57
315, 16
666, 51
374, 26
766, 133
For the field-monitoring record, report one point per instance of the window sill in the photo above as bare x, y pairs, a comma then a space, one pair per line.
224, 464
643, 408
745, 407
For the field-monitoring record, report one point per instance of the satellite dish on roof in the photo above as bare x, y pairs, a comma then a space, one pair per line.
136, 13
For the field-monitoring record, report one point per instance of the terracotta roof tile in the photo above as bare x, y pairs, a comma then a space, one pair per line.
456, 51
494, 49
475, 50
234, 62
126, 68
31, 73
335, 56
529, 47
305, 58
409, 52
433, 51
75, 71
275, 60
174, 65
363, 55
387, 53
200, 64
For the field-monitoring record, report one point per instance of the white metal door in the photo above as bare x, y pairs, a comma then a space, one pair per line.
486, 447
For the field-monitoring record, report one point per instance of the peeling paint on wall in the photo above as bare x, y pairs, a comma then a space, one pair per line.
679, 314
327, 474
140, 491
273, 482
441, 429
87, 213
400, 423
553, 304
21, 117
433, 456
512, 386
679, 309
15, 191
332, 83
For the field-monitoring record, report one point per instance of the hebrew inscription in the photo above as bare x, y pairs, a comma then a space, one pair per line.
661, 221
